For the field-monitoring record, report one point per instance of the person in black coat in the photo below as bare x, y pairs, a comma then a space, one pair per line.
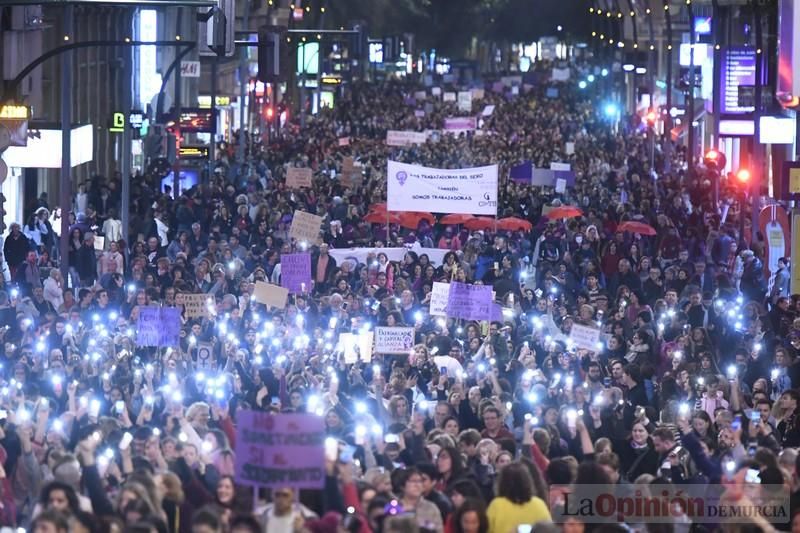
625, 276
637, 455
16, 247
637, 396
86, 261
753, 284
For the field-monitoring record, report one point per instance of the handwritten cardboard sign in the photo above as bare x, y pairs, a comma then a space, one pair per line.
284, 450
99, 243
195, 305
350, 172
271, 295
585, 338
440, 293
297, 177
305, 227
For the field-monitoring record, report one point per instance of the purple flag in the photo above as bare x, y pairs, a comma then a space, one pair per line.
470, 302
296, 272
285, 450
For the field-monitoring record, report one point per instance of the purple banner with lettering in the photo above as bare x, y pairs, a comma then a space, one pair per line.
460, 123
284, 450
470, 302
296, 272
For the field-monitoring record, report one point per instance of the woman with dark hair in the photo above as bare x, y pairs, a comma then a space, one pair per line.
60, 497
232, 500
450, 467
515, 503
471, 518
451, 426
637, 455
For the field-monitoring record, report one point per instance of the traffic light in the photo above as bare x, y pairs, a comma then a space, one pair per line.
358, 42
154, 142
269, 112
651, 117
272, 53
714, 160
220, 28
743, 177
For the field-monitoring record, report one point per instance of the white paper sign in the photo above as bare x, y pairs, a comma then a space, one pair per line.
449, 97
560, 74
405, 138
585, 338
561, 185
394, 340
417, 188
420, 95
436, 91
439, 296
488, 110
465, 101
561, 166
569, 148
356, 347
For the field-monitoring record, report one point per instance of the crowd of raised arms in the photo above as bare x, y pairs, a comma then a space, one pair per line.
481, 426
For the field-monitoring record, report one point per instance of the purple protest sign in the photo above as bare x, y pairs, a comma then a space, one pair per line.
158, 326
296, 272
497, 313
522, 173
460, 123
285, 450
470, 302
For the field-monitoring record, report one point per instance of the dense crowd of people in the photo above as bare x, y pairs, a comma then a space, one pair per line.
482, 426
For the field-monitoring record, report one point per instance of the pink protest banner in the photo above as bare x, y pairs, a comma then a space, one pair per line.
460, 123
296, 272
285, 450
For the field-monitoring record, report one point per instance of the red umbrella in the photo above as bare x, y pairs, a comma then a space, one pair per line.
477, 223
514, 224
412, 219
455, 218
382, 218
637, 227
566, 211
